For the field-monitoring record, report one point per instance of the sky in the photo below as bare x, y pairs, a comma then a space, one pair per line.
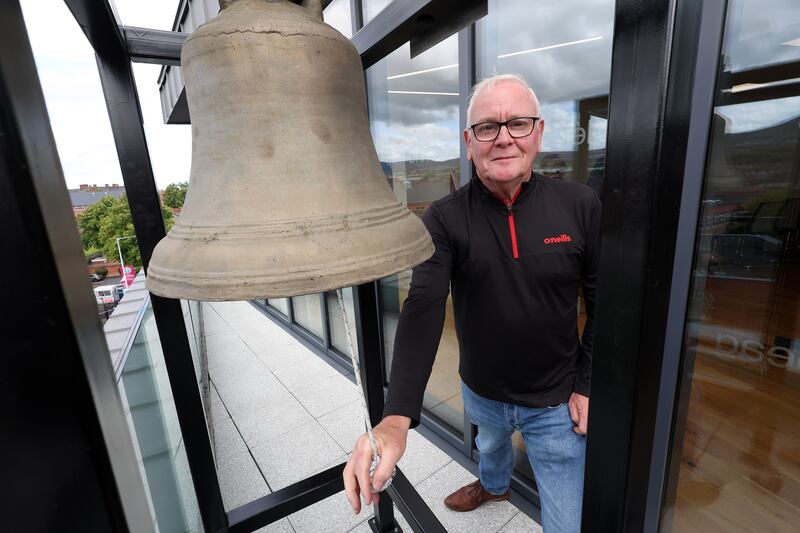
71, 85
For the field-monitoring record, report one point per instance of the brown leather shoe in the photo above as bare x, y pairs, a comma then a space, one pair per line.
472, 496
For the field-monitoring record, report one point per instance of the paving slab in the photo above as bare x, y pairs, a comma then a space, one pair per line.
422, 458
296, 454
488, 517
228, 442
521, 523
253, 387
345, 424
240, 481
331, 515
326, 396
300, 375
258, 425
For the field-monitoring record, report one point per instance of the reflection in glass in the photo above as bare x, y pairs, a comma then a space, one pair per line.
308, 313
337, 14
336, 323
370, 8
413, 105
280, 304
738, 467
567, 61
147, 398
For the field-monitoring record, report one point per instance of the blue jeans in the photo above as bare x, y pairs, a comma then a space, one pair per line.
555, 451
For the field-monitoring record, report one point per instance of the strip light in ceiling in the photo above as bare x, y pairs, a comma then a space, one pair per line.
422, 92
552, 46
416, 72
501, 56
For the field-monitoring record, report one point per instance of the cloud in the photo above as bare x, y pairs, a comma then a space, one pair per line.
756, 32
758, 115
403, 142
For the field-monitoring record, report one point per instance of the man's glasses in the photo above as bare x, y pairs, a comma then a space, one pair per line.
517, 127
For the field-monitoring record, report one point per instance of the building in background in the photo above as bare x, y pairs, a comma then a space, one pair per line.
87, 195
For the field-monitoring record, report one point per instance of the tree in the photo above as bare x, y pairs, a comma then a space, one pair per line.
175, 194
100, 226
89, 223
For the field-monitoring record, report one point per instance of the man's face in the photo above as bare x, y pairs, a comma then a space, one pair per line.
505, 159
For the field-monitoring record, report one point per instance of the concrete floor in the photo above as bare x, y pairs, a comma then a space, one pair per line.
281, 413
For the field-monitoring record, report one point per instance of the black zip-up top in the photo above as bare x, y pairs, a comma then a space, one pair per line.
514, 270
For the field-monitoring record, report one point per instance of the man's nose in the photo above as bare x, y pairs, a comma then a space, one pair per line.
503, 138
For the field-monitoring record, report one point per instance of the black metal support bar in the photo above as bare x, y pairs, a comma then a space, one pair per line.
286, 501
69, 461
426, 21
122, 101
367, 317
660, 68
154, 46
705, 29
414, 509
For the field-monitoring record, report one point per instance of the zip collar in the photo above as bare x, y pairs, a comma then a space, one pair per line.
524, 190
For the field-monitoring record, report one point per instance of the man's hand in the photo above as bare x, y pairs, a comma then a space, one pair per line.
579, 412
390, 436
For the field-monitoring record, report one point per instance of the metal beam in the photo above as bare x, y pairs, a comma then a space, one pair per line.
424, 22
100, 23
662, 87
367, 318
413, 507
69, 460
288, 500
154, 46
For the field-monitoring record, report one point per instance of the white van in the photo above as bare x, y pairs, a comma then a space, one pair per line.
106, 294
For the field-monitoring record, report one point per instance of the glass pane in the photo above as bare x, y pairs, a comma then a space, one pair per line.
308, 313
370, 8
336, 322
337, 14
147, 398
413, 106
738, 437
281, 304
569, 67
566, 58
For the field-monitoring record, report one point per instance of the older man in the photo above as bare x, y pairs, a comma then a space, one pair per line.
514, 247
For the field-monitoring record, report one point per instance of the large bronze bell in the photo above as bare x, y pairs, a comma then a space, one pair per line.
286, 193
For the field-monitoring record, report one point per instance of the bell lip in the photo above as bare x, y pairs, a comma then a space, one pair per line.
310, 282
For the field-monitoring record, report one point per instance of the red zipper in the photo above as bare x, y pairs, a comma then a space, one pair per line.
511, 226
513, 230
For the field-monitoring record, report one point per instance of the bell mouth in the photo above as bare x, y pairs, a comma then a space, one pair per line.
246, 263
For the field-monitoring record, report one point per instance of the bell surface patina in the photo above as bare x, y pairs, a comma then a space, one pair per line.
286, 192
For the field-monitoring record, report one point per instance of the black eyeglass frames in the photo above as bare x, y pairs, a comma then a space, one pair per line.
517, 127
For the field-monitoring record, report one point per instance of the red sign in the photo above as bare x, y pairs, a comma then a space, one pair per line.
130, 275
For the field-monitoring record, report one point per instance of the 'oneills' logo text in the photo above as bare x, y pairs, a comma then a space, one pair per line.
561, 238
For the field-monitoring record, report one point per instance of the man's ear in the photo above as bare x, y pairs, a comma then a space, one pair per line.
468, 143
540, 125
